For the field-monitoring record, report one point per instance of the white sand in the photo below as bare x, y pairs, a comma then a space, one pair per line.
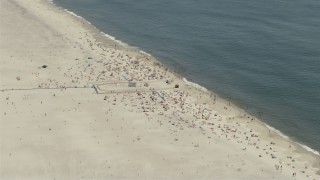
54, 126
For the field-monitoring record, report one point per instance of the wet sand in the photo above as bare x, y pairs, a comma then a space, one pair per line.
66, 112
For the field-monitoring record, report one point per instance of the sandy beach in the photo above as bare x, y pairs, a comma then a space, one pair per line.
67, 111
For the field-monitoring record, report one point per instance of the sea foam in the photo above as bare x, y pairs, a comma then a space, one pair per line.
103, 33
114, 39
310, 149
74, 14
286, 137
277, 131
145, 53
197, 86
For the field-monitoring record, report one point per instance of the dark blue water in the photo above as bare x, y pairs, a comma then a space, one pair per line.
263, 55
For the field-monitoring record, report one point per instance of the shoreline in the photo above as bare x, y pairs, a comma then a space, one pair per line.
190, 83
230, 116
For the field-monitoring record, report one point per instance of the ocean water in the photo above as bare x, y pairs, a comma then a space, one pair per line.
262, 55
